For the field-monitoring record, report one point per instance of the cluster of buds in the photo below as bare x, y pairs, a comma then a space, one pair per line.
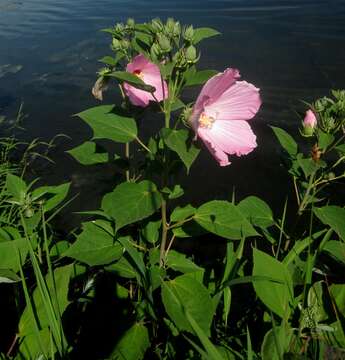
122, 34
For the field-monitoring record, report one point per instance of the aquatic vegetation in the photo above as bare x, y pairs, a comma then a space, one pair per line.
274, 289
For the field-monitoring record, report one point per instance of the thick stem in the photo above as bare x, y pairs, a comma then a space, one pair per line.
164, 233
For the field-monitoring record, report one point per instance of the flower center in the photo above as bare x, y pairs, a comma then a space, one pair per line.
206, 121
139, 74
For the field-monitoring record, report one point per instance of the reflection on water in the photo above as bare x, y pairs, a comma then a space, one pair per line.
291, 49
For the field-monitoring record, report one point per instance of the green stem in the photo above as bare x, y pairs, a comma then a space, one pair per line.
127, 157
305, 199
164, 233
142, 145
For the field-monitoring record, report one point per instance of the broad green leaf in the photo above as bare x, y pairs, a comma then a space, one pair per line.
133, 344
94, 246
179, 141
131, 202
56, 195
276, 295
181, 213
109, 60
212, 352
199, 77
308, 165
132, 80
257, 211
224, 219
8, 276
9, 251
183, 294
179, 262
62, 276
107, 124
336, 249
334, 217
276, 343
286, 141
337, 291
37, 345
16, 187
324, 140
122, 268
204, 33
86, 154
151, 231
59, 248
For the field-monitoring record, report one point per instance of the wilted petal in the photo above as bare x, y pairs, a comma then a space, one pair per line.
98, 88
239, 102
228, 137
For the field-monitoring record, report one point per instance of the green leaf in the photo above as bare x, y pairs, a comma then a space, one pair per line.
61, 276
276, 295
94, 246
308, 165
334, 217
9, 251
257, 211
8, 276
151, 231
324, 140
132, 80
276, 343
224, 219
175, 193
179, 262
183, 294
181, 213
86, 154
204, 33
107, 124
59, 248
108, 60
336, 249
178, 141
56, 195
122, 268
286, 141
199, 77
16, 187
133, 344
131, 202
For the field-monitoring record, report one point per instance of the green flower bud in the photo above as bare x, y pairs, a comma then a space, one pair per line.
156, 25
331, 176
177, 29
164, 43
116, 44
130, 23
155, 52
189, 33
191, 53
170, 26
125, 44
119, 27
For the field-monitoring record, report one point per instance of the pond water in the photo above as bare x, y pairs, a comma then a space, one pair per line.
292, 50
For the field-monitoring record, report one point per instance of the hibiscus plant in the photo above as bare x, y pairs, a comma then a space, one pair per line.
268, 295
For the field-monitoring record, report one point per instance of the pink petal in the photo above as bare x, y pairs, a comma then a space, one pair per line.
228, 137
155, 80
310, 119
136, 96
216, 86
239, 102
138, 63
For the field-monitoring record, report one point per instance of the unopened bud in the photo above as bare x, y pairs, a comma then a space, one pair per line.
125, 44
191, 53
164, 43
188, 33
177, 29
130, 23
156, 25
309, 123
116, 44
155, 51
170, 25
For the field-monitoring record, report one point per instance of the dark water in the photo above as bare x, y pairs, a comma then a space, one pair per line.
291, 49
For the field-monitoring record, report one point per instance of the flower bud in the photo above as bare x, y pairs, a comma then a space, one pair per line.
125, 44
177, 29
170, 26
156, 25
155, 52
164, 43
191, 53
309, 123
116, 44
189, 33
130, 23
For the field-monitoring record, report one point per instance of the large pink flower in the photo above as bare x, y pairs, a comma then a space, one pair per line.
150, 74
220, 113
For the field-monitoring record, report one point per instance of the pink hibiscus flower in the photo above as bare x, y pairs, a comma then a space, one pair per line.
150, 74
220, 113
